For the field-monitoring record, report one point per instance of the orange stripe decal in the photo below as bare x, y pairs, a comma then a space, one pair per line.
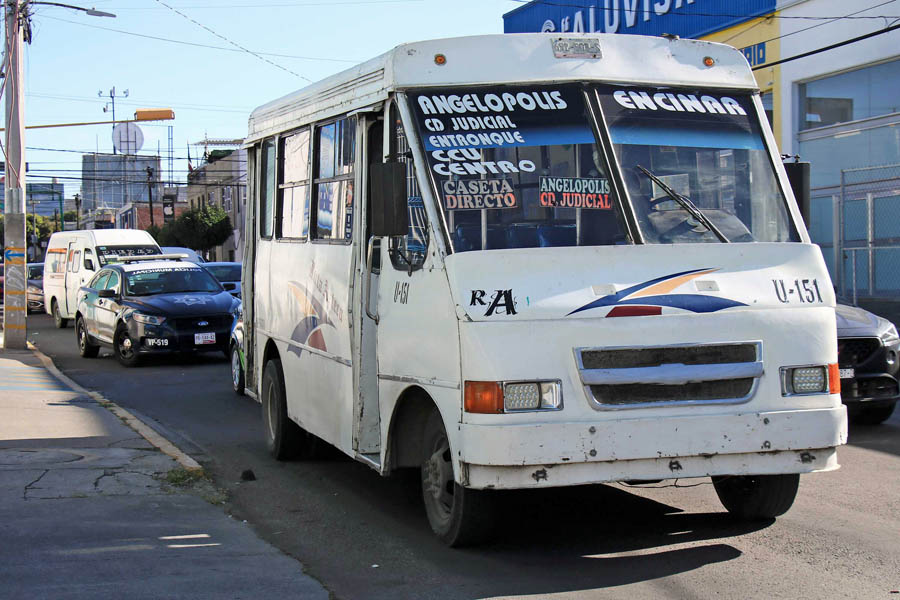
664, 287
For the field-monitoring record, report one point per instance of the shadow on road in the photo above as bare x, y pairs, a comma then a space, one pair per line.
546, 541
883, 438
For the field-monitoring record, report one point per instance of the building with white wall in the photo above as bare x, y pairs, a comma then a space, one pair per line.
838, 109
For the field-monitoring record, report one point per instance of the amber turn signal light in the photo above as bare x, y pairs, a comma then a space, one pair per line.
834, 379
483, 397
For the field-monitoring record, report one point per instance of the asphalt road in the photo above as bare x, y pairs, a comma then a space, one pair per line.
366, 537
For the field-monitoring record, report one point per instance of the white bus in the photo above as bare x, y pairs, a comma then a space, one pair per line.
525, 261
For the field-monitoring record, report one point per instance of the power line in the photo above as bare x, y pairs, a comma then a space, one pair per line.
187, 107
831, 47
198, 45
235, 44
691, 13
826, 23
274, 5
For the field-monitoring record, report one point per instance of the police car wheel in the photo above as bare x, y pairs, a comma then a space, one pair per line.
86, 348
124, 348
237, 371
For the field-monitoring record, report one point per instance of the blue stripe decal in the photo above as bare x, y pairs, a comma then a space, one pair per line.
697, 303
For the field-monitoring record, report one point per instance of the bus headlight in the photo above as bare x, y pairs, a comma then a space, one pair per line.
817, 379
531, 395
492, 397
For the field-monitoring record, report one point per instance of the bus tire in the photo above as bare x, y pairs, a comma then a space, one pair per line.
283, 436
58, 319
459, 516
757, 497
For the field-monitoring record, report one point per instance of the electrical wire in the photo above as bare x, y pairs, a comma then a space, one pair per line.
825, 48
281, 5
691, 13
235, 44
188, 107
825, 23
198, 45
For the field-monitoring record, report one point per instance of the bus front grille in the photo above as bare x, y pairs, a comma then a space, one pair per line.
616, 378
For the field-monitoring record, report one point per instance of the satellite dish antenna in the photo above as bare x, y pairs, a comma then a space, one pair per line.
127, 138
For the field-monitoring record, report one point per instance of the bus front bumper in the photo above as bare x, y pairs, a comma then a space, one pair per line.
563, 454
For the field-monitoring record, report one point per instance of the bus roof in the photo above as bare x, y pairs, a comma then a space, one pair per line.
504, 58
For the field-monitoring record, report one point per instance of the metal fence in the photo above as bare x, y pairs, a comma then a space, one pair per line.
858, 228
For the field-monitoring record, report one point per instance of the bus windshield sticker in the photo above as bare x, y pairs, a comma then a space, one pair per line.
513, 165
575, 192
468, 194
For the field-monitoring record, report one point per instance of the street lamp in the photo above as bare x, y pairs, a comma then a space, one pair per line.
18, 31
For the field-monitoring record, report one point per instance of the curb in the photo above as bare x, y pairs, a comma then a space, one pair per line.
147, 432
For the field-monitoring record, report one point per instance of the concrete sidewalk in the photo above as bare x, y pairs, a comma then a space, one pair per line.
90, 509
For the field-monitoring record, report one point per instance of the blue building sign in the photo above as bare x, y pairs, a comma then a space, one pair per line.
686, 18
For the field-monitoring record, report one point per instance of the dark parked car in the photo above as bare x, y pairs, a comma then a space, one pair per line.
868, 348
35, 289
228, 274
142, 307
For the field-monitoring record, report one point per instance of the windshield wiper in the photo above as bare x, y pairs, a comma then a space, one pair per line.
686, 204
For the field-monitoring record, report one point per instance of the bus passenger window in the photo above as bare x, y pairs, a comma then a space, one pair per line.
292, 210
333, 184
267, 189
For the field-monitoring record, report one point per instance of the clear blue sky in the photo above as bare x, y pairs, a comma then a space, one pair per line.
73, 56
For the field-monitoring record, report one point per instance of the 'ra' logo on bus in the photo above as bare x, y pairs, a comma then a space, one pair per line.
501, 299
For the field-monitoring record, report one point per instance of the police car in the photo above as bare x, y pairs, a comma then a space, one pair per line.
153, 305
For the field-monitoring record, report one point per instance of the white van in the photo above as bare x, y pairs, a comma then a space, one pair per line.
74, 256
528, 261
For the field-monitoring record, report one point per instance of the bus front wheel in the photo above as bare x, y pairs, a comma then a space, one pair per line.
459, 516
757, 497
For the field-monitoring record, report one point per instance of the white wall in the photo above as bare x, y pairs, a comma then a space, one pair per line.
848, 57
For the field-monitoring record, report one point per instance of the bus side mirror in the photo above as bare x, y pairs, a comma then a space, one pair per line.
387, 186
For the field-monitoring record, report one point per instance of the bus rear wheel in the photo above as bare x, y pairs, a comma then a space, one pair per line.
459, 516
757, 497
284, 438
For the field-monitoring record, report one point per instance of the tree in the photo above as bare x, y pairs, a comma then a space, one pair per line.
199, 229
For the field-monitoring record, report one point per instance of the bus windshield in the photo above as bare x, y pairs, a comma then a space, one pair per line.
517, 167
707, 148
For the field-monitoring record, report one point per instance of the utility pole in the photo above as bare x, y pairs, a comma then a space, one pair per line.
14, 298
77, 210
18, 31
150, 192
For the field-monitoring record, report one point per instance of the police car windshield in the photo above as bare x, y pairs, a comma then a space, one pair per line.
517, 167
705, 146
149, 282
